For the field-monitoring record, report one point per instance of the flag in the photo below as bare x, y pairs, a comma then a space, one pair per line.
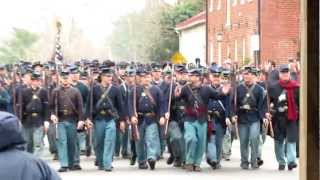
58, 56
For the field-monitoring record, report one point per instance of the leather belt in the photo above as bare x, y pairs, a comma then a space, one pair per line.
34, 114
150, 114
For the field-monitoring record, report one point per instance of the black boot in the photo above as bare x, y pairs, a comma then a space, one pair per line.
291, 166
281, 167
133, 160
259, 161
170, 160
152, 164
63, 169
177, 162
143, 165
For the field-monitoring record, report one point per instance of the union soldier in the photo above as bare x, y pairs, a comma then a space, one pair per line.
284, 97
84, 91
156, 74
249, 111
52, 127
175, 132
122, 132
66, 111
219, 119
195, 126
34, 112
131, 82
146, 107
4, 98
107, 109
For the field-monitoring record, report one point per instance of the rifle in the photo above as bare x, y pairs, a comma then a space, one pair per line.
268, 107
234, 84
56, 103
135, 127
14, 82
170, 99
90, 108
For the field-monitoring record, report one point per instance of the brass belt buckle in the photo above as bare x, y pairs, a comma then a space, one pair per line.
246, 107
65, 112
103, 112
34, 114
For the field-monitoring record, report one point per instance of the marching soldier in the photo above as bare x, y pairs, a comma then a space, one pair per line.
84, 91
25, 82
34, 114
122, 132
127, 149
66, 111
195, 126
52, 127
249, 111
156, 74
4, 98
219, 118
261, 80
106, 112
284, 96
146, 106
175, 132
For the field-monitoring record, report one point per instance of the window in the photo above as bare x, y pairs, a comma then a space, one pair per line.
219, 5
228, 23
211, 6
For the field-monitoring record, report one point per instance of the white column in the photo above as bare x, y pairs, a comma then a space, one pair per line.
235, 50
243, 49
219, 54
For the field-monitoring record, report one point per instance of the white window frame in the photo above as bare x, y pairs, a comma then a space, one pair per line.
219, 5
228, 9
211, 6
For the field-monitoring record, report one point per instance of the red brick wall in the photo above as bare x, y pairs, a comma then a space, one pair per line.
279, 29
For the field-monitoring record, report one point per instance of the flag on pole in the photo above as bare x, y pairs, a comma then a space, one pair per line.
58, 56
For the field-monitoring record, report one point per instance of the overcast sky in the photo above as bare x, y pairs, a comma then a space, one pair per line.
94, 17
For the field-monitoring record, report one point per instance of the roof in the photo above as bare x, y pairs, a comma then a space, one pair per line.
193, 21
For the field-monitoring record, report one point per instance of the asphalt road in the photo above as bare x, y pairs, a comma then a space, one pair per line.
230, 169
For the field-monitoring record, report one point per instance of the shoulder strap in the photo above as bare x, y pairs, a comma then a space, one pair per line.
147, 91
196, 99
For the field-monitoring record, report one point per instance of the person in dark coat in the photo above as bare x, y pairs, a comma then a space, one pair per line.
284, 99
107, 109
195, 126
16, 164
146, 107
34, 113
219, 118
249, 111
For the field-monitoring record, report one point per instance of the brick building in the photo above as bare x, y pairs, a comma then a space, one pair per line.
234, 26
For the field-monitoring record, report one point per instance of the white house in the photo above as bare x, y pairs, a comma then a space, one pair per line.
192, 38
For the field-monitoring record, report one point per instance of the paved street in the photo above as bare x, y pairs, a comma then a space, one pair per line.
230, 170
